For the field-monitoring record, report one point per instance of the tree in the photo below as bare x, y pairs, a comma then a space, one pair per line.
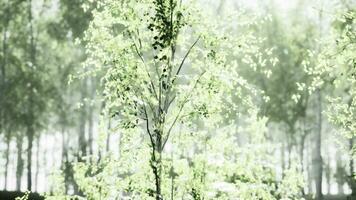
336, 65
166, 73
26, 91
286, 99
341, 111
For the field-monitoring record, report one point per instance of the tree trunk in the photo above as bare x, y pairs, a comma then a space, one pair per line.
30, 126
340, 175
90, 130
352, 177
301, 157
340, 188
302, 145
30, 136
309, 167
220, 7
81, 138
172, 175
82, 143
301, 152
156, 165
64, 160
37, 161
156, 155
90, 115
64, 146
289, 147
2, 87
19, 167
318, 158
283, 157
7, 158
4, 41
328, 173
108, 136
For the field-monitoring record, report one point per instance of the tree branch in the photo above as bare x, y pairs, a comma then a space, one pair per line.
144, 63
186, 55
181, 108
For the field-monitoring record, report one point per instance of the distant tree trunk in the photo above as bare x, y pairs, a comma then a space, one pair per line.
318, 158
120, 144
289, 148
301, 155
90, 129
302, 144
301, 151
283, 157
90, 115
64, 159
221, 6
30, 126
340, 175
108, 136
172, 174
19, 167
7, 158
340, 188
64, 146
81, 139
37, 161
328, 173
4, 49
352, 177
308, 168
82, 121
30, 135
45, 163
6, 19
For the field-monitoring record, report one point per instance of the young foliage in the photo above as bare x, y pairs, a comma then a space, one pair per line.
175, 95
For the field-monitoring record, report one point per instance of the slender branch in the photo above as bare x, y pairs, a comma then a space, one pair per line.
167, 102
139, 39
181, 108
144, 63
186, 55
159, 109
170, 102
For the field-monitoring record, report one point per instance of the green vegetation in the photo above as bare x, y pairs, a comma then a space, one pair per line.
171, 99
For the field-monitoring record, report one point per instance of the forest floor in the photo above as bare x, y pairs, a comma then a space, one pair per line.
334, 197
338, 197
11, 195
